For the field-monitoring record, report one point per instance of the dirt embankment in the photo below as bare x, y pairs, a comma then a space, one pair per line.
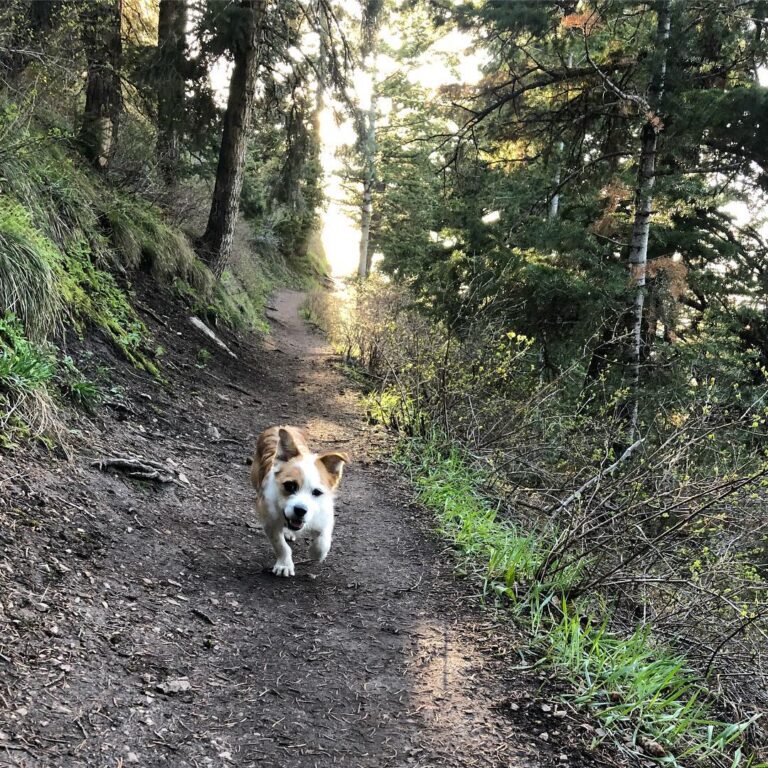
140, 625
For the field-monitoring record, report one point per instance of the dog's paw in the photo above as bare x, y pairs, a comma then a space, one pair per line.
283, 569
289, 535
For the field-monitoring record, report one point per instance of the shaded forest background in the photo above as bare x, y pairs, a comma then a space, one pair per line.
561, 303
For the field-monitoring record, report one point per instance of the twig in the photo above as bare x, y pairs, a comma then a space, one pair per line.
599, 476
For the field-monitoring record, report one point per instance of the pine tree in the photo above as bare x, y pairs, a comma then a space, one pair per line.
102, 41
172, 66
216, 243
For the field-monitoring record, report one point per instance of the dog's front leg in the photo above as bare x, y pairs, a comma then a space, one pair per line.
284, 564
321, 546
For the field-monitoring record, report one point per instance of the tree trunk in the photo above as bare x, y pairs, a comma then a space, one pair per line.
103, 50
638, 244
554, 201
369, 179
171, 61
367, 131
216, 242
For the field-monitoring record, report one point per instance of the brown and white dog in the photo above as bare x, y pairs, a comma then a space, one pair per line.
296, 490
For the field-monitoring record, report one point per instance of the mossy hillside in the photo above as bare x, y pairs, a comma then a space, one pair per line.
69, 244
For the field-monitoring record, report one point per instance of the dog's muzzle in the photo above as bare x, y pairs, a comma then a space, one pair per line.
294, 525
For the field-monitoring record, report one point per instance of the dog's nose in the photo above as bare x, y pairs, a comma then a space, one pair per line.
299, 511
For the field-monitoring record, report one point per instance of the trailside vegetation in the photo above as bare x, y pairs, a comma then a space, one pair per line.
568, 335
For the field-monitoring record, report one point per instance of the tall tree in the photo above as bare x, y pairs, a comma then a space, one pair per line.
102, 41
638, 243
367, 131
216, 242
172, 65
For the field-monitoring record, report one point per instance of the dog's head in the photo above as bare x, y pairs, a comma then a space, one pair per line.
306, 482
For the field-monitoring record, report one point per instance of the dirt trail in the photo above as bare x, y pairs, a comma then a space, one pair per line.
113, 593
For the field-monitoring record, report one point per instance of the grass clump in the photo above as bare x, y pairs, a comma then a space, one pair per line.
28, 272
26, 369
141, 239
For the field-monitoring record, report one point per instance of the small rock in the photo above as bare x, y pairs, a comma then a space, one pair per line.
563, 758
179, 685
546, 708
131, 757
544, 736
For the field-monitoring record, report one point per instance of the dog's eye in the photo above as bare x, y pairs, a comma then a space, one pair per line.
317, 492
290, 486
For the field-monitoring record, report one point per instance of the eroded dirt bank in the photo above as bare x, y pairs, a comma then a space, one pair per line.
140, 624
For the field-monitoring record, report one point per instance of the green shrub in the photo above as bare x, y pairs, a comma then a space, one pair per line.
24, 366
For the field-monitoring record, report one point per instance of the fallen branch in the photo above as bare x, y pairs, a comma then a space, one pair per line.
201, 326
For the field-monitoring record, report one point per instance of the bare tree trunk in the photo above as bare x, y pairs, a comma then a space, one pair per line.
554, 201
369, 179
366, 127
216, 242
638, 244
172, 47
103, 102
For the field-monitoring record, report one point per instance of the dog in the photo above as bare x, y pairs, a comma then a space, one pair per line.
296, 489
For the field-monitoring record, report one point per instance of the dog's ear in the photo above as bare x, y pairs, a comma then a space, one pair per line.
286, 446
334, 465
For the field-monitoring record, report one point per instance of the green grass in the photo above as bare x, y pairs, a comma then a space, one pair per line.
28, 272
640, 691
24, 366
26, 370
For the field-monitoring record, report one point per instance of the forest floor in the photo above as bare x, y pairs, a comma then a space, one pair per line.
140, 623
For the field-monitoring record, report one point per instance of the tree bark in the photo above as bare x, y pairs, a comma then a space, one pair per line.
638, 244
103, 102
369, 179
367, 131
554, 200
216, 242
172, 51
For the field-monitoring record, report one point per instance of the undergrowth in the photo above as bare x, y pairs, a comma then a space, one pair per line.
640, 690
601, 579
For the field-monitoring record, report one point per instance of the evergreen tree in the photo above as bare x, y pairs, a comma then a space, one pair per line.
102, 41
171, 75
216, 242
